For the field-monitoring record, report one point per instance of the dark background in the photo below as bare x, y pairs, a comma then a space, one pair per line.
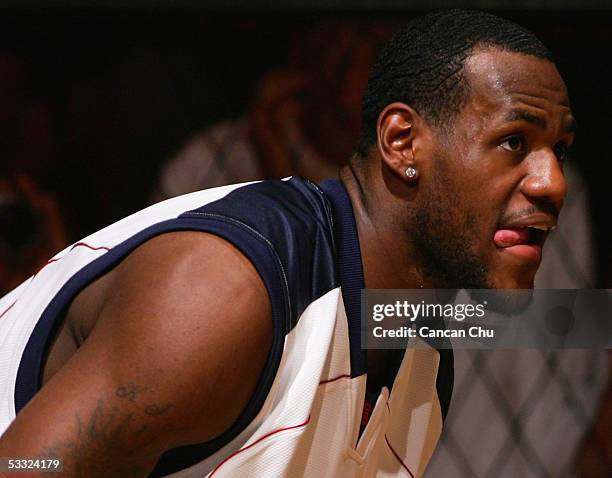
95, 96
123, 88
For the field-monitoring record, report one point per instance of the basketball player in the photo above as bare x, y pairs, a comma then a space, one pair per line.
217, 334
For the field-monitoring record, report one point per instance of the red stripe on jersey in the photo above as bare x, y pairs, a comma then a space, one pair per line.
367, 413
334, 379
82, 244
93, 248
394, 452
50, 261
398, 457
257, 441
7, 309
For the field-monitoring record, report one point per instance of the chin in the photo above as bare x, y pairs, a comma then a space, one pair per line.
510, 301
506, 272
514, 281
524, 281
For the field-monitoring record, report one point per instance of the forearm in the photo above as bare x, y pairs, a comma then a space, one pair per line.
103, 440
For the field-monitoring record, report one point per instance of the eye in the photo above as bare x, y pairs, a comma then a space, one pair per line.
562, 151
513, 143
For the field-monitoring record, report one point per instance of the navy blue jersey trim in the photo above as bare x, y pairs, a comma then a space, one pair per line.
350, 268
261, 255
445, 379
352, 282
294, 217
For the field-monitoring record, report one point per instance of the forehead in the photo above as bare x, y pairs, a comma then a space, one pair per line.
501, 80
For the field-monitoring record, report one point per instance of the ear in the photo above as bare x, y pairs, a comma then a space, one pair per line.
396, 133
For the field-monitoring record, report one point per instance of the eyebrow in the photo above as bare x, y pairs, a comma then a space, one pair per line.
521, 115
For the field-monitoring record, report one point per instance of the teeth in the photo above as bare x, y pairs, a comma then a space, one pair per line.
540, 228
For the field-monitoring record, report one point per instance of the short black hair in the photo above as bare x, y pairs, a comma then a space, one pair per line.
422, 65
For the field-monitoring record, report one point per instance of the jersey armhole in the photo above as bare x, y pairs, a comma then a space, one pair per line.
265, 260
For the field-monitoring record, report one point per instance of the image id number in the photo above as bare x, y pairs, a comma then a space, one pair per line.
46, 464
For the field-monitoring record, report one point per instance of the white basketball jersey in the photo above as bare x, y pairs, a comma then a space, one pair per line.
305, 415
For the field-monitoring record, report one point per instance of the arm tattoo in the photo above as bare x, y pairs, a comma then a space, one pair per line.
108, 435
130, 391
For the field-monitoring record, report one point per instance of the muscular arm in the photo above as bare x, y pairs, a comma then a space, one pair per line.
175, 355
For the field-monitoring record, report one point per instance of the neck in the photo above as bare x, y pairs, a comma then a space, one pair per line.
388, 254
388, 259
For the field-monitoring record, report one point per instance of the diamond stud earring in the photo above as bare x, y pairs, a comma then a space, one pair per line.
411, 172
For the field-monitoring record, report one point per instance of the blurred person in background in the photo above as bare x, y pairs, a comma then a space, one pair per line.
304, 119
31, 230
31, 227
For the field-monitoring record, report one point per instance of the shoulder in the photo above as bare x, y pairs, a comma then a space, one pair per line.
298, 200
291, 220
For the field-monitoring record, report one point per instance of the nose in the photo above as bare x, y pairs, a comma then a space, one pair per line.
545, 180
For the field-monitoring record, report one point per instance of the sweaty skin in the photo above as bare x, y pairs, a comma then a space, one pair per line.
499, 164
152, 326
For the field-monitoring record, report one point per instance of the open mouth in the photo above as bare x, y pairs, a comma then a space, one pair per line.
524, 242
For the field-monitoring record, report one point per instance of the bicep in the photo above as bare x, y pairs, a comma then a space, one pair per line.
181, 332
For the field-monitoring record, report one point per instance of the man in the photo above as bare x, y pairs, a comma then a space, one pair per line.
217, 333
276, 133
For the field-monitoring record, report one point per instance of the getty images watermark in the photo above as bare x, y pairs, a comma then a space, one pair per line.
487, 318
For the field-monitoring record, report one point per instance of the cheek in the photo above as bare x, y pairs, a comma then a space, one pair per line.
479, 225
468, 198
486, 188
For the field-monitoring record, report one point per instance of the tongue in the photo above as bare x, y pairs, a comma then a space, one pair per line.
511, 237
